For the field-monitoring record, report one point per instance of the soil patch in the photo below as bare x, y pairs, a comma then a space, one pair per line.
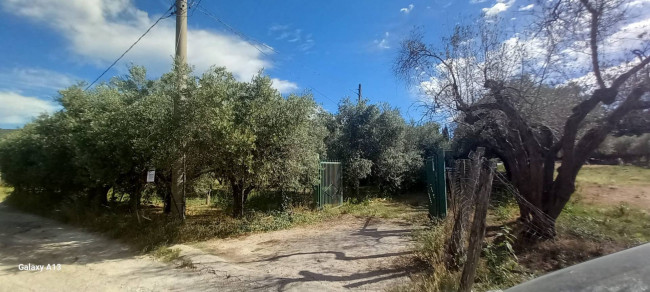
612, 195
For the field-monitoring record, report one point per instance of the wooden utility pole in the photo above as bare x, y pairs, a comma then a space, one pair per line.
359, 93
178, 167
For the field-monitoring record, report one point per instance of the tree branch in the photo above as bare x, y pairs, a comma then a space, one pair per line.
625, 76
595, 136
593, 42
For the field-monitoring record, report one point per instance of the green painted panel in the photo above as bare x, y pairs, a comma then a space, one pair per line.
436, 184
330, 187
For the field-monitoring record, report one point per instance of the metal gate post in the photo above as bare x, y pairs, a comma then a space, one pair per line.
436, 184
429, 167
441, 183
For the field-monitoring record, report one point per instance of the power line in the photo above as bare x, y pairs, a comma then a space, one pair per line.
193, 5
163, 16
237, 32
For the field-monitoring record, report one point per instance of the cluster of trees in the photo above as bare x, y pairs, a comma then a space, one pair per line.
246, 135
625, 149
377, 146
519, 94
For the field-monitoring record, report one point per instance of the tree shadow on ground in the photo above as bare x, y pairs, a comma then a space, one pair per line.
26, 238
366, 277
353, 280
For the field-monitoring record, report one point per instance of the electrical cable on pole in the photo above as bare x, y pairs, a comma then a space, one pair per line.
163, 16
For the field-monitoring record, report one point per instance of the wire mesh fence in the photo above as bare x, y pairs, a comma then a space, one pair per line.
542, 224
470, 185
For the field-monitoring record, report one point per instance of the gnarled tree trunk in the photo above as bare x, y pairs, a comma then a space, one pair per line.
529, 152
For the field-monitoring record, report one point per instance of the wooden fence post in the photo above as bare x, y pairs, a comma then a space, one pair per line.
478, 228
469, 185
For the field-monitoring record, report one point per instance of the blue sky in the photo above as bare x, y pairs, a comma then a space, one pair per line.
327, 46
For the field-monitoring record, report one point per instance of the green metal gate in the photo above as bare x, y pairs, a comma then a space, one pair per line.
436, 185
330, 188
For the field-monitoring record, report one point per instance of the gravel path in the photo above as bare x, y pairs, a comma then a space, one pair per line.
349, 255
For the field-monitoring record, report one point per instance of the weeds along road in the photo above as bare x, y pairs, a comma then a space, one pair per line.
354, 255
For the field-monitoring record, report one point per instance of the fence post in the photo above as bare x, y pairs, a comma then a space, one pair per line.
441, 184
340, 183
456, 247
436, 184
478, 229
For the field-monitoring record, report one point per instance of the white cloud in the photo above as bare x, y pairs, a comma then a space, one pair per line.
527, 7
630, 36
34, 79
17, 109
497, 8
383, 43
527, 53
303, 41
407, 10
476, 1
284, 86
277, 27
98, 31
307, 44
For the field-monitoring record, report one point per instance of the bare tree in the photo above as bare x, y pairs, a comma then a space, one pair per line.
504, 87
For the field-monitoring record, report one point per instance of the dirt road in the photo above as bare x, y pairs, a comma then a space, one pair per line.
355, 254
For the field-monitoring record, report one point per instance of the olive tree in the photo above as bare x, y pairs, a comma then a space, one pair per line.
371, 142
475, 76
252, 137
39, 158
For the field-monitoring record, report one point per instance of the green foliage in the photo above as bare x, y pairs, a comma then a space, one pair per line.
377, 146
423, 139
166, 254
430, 250
40, 157
501, 264
251, 137
622, 223
246, 134
6, 132
629, 148
4, 192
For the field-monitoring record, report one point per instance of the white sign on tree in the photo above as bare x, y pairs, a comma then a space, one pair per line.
151, 175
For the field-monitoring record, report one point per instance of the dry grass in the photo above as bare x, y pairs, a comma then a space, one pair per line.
203, 222
585, 231
614, 175
429, 254
562, 252
4, 192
